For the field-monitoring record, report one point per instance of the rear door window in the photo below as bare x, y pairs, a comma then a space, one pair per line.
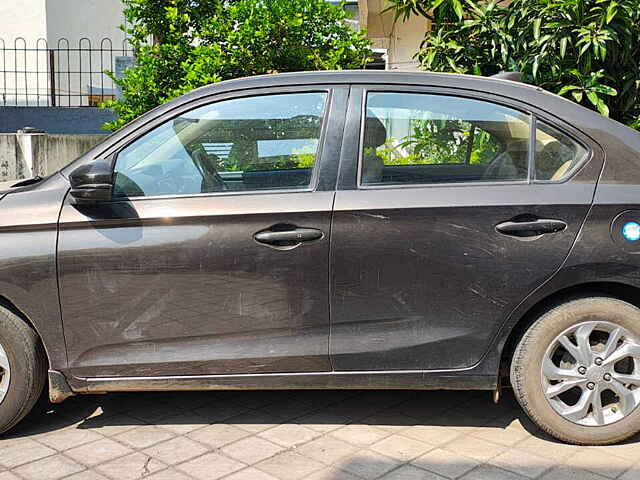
415, 138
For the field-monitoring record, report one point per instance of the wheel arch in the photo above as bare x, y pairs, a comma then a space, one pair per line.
13, 308
621, 291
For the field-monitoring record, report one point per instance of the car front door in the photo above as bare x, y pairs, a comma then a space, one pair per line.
443, 223
212, 257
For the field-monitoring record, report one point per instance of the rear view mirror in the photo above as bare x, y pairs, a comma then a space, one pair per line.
92, 182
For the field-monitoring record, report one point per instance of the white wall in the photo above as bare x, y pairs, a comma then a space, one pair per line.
22, 19
85, 24
401, 38
51, 20
92, 19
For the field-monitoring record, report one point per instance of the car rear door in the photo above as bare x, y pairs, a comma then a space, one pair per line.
212, 257
443, 223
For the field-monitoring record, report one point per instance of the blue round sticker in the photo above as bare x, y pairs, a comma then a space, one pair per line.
631, 231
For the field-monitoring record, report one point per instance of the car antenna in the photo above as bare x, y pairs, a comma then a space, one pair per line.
513, 76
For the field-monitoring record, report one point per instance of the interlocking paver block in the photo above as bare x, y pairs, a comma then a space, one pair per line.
250, 474
69, 438
51, 468
401, 448
130, 467
289, 466
176, 450
289, 434
327, 450
359, 434
169, 475
570, 473
474, 448
218, 435
392, 436
409, 472
368, 464
8, 476
98, 452
446, 463
252, 450
522, 463
144, 436
17, 452
210, 466
598, 462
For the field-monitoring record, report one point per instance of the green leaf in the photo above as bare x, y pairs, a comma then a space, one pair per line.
436, 4
457, 7
612, 10
605, 90
598, 103
563, 46
536, 28
577, 95
536, 66
567, 88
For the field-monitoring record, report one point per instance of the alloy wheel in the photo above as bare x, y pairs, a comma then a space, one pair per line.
591, 373
5, 373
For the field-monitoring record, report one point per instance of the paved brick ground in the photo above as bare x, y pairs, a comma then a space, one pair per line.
318, 435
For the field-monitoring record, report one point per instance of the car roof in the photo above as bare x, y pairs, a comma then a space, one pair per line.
397, 77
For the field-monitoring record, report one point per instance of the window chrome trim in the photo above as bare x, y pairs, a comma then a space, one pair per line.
224, 193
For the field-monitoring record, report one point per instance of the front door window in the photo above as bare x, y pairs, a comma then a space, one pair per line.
267, 142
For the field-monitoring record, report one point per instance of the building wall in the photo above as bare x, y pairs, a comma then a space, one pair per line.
401, 38
24, 18
86, 25
92, 19
22, 24
42, 24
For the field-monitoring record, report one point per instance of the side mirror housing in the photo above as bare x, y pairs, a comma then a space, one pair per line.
92, 182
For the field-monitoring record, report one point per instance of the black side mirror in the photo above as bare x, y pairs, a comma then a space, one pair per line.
92, 182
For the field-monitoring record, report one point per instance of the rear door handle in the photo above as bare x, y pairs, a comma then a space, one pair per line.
532, 228
287, 237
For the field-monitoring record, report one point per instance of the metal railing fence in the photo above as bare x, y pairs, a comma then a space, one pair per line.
65, 75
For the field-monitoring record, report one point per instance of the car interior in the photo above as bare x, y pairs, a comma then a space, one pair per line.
203, 156
555, 156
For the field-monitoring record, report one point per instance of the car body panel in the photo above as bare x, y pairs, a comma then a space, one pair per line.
28, 268
28, 281
178, 285
421, 279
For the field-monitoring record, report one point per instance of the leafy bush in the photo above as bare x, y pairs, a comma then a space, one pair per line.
195, 43
585, 50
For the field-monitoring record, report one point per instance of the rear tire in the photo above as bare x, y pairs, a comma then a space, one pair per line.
23, 363
586, 351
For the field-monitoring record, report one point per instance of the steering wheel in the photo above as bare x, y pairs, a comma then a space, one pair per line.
207, 165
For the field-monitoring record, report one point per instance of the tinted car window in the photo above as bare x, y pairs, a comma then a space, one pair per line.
253, 143
412, 138
556, 153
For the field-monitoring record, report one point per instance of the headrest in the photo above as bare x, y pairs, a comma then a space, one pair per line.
375, 134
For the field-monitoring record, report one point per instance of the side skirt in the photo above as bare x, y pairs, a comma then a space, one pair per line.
413, 380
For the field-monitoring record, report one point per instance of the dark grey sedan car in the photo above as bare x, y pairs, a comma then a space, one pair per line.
337, 230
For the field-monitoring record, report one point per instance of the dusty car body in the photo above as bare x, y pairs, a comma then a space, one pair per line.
403, 281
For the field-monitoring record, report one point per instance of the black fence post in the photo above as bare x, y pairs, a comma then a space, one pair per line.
52, 76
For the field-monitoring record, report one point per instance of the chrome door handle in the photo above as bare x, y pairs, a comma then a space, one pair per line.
531, 228
287, 237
